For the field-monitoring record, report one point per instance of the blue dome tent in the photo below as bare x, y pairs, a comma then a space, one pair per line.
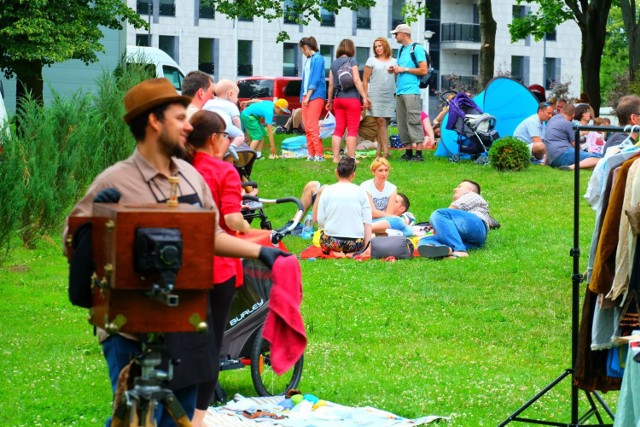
504, 98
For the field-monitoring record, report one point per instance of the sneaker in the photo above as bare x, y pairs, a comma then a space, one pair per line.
280, 129
319, 159
311, 159
417, 158
434, 251
406, 157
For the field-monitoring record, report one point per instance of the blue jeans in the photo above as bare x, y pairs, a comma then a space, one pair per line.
568, 157
118, 352
459, 230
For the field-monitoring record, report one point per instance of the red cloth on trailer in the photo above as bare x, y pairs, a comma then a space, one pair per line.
284, 327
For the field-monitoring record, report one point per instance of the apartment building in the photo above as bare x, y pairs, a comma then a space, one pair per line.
199, 38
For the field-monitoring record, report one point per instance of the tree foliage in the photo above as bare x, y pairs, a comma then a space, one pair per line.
36, 33
302, 11
591, 17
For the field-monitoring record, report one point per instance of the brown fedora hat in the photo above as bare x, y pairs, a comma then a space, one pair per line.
149, 94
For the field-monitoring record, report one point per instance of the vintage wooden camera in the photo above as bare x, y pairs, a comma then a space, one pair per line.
153, 266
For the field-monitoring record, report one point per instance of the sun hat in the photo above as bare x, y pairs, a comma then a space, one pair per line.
283, 105
150, 94
402, 28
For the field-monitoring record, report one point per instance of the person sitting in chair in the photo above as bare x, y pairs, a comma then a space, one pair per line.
462, 226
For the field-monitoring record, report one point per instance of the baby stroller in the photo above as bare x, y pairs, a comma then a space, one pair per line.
475, 129
243, 344
243, 158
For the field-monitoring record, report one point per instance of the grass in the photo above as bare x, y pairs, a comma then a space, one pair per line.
471, 338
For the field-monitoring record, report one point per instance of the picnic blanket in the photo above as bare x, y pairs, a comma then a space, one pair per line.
236, 413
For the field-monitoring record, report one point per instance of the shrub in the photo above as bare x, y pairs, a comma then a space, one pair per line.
509, 154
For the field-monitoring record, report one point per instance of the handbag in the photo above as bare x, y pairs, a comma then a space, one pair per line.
398, 247
327, 125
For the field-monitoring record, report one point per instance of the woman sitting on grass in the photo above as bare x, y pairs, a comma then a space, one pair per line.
382, 193
344, 212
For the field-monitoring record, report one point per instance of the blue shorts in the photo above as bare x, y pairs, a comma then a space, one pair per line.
568, 157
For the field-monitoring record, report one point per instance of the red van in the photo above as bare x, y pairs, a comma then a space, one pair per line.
270, 88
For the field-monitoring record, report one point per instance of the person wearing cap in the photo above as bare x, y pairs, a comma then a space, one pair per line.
156, 115
263, 110
199, 87
408, 104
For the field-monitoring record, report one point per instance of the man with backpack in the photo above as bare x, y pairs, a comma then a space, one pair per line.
412, 64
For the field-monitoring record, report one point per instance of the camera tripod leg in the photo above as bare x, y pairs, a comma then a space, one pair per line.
175, 410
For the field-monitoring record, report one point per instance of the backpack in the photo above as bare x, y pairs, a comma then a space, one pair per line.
345, 76
431, 76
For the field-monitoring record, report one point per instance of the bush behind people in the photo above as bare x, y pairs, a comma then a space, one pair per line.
509, 154
58, 151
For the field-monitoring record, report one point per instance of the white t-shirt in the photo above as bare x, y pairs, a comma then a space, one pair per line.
380, 198
227, 110
343, 209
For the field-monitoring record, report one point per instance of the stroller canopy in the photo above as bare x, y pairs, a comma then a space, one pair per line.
505, 99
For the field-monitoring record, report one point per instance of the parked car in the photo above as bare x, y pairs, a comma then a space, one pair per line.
163, 64
270, 88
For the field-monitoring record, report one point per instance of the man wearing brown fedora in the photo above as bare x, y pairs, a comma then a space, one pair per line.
408, 105
156, 115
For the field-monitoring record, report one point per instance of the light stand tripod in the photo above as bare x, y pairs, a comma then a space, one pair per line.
137, 407
576, 279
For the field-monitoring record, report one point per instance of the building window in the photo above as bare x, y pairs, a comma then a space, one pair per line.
363, 18
552, 36
245, 67
289, 14
518, 11
206, 11
167, 8
206, 55
362, 54
142, 40
552, 72
396, 13
290, 59
328, 19
144, 7
520, 69
475, 64
327, 54
169, 45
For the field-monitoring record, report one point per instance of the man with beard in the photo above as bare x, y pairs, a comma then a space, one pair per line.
156, 115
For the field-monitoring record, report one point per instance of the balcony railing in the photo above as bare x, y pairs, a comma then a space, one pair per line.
459, 83
460, 33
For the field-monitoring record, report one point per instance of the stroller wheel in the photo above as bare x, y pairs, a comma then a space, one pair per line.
265, 224
265, 380
454, 158
482, 160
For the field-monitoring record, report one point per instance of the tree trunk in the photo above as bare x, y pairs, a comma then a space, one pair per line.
593, 37
631, 28
488, 28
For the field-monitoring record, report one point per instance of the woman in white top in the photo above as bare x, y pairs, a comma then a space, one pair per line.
343, 212
382, 193
381, 87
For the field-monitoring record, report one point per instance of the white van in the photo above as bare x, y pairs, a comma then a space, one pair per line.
3, 112
165, 65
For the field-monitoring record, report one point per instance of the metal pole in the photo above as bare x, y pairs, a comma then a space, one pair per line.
544, 62
149, 18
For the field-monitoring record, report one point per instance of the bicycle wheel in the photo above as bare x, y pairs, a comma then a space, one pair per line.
265, 380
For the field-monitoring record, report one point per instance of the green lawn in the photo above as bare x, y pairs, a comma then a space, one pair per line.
469, 338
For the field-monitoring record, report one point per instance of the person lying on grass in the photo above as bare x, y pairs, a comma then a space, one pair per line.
462, 226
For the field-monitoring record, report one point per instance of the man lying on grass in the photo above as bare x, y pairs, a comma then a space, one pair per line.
462, 226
